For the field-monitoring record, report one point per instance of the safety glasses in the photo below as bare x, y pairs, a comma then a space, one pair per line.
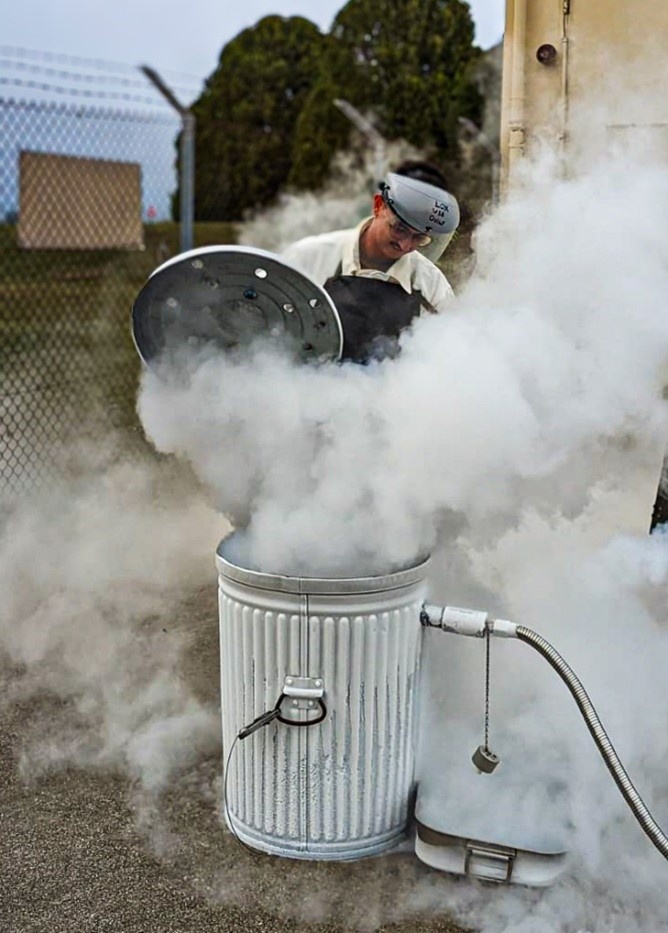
402, 230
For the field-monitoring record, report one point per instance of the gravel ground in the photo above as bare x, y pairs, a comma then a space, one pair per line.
84, 850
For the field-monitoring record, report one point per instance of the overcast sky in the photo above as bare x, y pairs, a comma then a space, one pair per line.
171, 37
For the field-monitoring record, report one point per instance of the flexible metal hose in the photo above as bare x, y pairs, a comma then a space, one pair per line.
599, 735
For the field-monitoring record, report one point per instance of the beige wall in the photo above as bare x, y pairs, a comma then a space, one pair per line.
73, 203
609, 73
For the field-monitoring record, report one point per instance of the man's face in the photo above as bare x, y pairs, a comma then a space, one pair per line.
393, 237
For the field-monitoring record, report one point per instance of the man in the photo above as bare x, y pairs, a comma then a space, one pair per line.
374, 274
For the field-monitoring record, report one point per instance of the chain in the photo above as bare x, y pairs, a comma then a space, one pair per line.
487, 664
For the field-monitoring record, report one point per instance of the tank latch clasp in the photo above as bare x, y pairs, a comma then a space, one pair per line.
304, 692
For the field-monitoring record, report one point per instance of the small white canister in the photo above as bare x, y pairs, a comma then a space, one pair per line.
347, 649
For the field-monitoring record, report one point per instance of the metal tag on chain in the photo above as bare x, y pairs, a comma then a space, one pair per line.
483, 758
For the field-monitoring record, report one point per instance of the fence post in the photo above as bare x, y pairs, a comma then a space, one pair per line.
187, 179
187, 172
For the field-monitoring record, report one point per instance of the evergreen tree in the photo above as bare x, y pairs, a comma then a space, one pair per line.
247, 114
267, 117
408, 62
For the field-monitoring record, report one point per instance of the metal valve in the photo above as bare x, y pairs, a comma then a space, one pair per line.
484, 759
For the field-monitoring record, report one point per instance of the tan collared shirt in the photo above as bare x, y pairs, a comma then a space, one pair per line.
321, 256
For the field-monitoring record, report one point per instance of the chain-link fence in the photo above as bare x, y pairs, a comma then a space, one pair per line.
69, 272
85, 216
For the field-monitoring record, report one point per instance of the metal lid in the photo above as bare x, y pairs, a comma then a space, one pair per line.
227, 296
229, 567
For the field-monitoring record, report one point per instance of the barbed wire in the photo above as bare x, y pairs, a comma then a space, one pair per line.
80, 92
83, 77
99, 64
90, 111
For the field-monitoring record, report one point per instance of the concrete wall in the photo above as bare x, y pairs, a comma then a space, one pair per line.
68, 202
608, 76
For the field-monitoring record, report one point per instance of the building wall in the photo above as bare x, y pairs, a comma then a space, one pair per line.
608, 76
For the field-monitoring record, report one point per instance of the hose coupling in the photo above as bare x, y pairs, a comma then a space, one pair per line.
459, 621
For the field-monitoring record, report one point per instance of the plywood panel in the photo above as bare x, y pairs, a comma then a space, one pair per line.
67, 202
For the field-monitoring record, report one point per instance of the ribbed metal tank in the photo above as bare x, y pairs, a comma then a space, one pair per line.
340, 789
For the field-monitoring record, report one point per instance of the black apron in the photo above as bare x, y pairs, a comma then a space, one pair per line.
373, 313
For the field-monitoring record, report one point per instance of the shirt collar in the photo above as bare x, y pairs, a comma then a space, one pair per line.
399, 272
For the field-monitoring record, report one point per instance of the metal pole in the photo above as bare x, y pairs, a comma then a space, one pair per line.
187, 180
187, 168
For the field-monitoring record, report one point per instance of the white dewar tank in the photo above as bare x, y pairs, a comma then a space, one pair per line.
347, 649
